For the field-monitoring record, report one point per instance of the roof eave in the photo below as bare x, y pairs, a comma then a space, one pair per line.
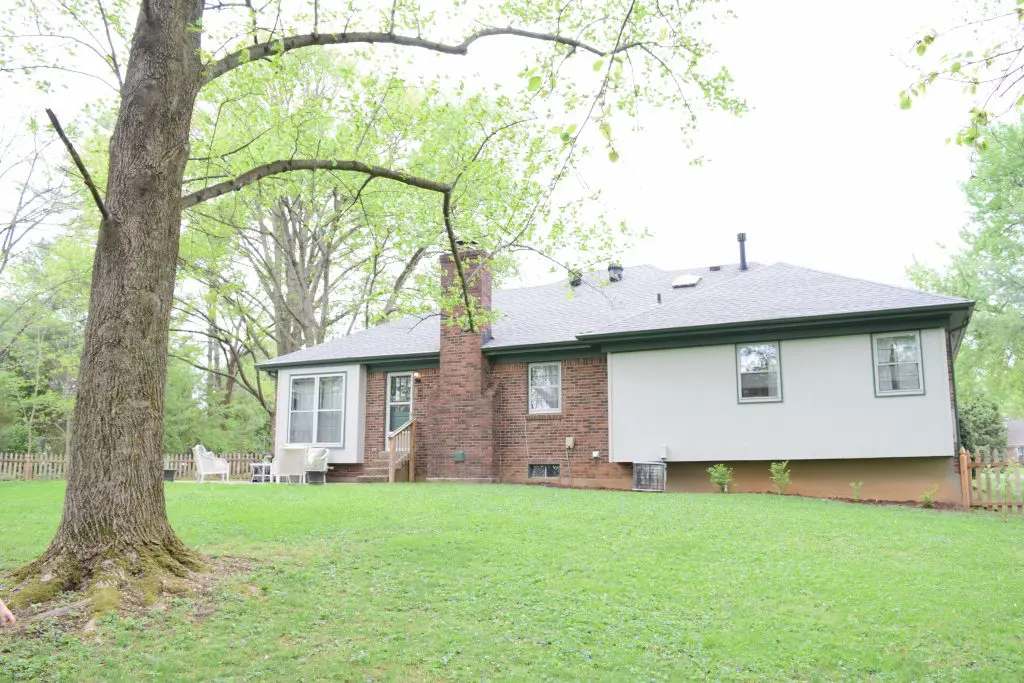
354, 360
943, 313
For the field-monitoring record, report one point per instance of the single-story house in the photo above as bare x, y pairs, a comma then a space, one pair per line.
1014, 439
573, 382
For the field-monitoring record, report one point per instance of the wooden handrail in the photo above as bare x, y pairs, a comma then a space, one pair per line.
402, 447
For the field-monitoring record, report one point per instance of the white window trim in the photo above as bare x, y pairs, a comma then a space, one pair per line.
920, 364
739, 374
529, 390
316, 409
387, 400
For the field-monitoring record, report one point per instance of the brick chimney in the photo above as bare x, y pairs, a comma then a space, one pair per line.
466, 413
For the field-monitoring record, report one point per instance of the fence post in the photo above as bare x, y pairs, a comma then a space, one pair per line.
965, 480
27, 467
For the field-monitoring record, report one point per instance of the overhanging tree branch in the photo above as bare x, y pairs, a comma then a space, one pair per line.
281, 45
288, 165
80, 164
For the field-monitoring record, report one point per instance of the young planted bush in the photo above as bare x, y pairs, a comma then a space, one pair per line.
855, 489
720, 476
780, 476
928, 497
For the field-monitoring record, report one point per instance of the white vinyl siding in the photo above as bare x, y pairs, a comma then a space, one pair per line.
316, 410
897, 363
681, 404
545, 387
758, 372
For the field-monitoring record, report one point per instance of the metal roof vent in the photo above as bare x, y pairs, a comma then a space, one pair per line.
614, 272
685, 280
714, 269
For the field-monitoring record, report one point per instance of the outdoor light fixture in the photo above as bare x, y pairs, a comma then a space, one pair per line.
416, 376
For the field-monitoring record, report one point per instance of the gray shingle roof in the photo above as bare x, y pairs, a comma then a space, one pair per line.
556, 314
775, 292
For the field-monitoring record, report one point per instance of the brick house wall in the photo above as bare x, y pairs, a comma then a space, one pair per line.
464, 414
522, 439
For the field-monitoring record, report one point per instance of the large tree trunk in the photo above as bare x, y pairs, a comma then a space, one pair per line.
114, 511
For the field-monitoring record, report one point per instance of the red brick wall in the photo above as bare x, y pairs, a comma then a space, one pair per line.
521, 438
463, 417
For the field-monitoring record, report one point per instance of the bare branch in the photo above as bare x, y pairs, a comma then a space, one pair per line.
273, 47
288, 165
454, 244
80, 164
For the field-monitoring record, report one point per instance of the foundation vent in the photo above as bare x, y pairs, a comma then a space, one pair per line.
649, 476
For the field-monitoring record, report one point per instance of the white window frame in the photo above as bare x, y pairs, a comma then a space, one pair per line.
529, 390
920, 364
316, 406
387, 399
740, 373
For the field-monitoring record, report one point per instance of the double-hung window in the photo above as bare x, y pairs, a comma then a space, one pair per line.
758, 372
316, 410
545, 387
897, 363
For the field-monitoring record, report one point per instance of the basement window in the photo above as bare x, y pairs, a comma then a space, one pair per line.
543, 471
545, 390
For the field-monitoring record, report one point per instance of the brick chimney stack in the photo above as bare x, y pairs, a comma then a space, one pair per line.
466, 424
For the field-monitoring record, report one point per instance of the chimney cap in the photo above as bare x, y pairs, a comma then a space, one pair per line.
741, 237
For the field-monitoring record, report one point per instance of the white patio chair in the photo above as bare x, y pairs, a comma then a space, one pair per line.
209, 463
290, 462
316, 460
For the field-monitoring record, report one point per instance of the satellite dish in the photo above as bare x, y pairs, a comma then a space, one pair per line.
685, 280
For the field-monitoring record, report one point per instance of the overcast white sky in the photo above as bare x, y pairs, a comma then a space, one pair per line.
825, 170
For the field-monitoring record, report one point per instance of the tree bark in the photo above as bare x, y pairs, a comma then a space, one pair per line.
114, 507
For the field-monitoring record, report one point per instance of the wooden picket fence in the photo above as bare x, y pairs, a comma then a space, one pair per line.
25, 467
35, 466
991, 481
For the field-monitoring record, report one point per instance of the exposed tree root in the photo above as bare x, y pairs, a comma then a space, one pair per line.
134, 575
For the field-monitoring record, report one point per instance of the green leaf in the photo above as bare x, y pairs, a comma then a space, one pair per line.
598, 64
955, 68
905, 101
922, 47
534, 83
613, 156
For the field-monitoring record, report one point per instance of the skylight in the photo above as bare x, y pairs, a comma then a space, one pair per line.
685, 280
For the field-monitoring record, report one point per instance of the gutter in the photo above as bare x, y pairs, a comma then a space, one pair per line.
772, 325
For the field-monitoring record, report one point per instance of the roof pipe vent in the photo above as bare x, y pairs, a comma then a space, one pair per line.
575, 278
614, 272
742, 239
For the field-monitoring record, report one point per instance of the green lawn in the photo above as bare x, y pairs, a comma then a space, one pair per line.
467, 582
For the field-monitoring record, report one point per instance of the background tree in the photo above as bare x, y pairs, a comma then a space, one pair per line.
114, 526
981, 425
36, 193
990, 270
982, 55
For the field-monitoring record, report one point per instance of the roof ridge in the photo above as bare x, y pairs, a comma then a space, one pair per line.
698, 294
870, 282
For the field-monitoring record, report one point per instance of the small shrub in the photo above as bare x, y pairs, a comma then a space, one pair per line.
855, 488
720, 476
780, 475
928, 497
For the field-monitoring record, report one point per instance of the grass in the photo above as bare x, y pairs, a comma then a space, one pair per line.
462, 582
